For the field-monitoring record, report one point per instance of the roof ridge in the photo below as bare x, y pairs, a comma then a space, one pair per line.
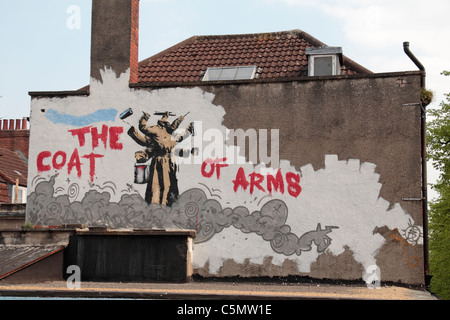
295, 32
237, 35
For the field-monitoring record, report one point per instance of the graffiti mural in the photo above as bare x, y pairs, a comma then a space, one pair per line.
162, 183
114, 159
192, 210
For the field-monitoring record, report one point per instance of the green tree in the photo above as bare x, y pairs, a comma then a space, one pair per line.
438, 141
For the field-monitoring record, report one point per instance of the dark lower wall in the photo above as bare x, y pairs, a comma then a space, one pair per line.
144, 258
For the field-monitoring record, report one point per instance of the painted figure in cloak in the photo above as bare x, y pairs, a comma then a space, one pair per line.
162, 186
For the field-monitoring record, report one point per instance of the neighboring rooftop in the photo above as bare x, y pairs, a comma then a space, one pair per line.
14, 135
13, 169
277, 55
13, 166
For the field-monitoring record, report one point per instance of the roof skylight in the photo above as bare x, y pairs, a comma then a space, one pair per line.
230, 73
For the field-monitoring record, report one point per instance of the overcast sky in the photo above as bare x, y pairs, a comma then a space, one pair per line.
44, 49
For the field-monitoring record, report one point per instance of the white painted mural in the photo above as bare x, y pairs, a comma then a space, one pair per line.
109, 159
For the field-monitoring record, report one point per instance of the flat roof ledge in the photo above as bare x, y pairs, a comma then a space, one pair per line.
157, 85
101, 231
37, 94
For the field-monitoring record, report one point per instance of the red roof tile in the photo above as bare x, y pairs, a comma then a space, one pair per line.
276, 55
12, 166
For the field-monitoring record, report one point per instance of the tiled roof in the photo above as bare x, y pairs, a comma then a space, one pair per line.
12, 166
277, 55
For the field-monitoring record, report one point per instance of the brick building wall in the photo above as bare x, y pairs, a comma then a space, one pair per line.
14, 135
134, 42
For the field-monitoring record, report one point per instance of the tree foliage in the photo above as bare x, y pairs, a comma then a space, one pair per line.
438, 141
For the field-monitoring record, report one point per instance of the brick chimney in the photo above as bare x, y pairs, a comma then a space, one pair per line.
114, 37
13, 124
15, 135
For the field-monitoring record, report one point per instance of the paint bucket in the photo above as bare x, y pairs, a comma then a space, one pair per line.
141, 173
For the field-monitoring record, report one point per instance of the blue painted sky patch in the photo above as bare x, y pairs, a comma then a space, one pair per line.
81, 121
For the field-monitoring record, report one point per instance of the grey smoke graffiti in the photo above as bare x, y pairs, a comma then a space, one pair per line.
192, 210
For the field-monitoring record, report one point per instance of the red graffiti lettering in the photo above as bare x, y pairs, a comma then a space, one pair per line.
74, 162
92, 158
80, 134
46, 160
255, 181
215, 165
276, 182
273, 183
114, 133
40, 161
114, 136
102, 136
205, 173
59, 165
293, 181
240, 180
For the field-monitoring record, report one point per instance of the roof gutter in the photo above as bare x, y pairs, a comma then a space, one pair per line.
424, 167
